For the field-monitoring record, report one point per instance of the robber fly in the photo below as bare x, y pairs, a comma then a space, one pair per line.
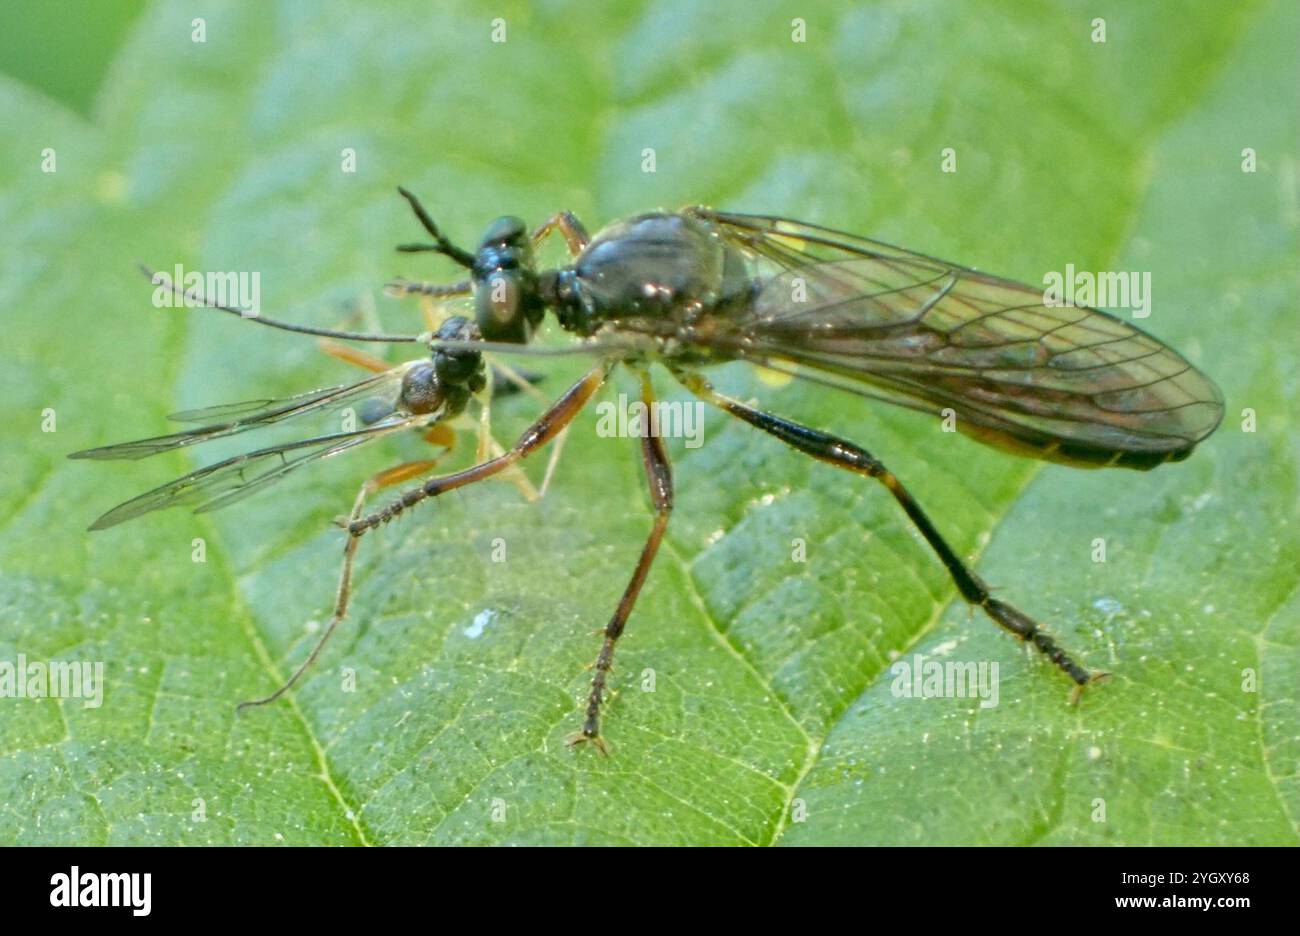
697, 287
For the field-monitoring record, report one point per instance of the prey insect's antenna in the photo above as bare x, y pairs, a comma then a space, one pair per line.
194, 296
508, 347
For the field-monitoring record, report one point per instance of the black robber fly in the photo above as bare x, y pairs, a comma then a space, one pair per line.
698, 287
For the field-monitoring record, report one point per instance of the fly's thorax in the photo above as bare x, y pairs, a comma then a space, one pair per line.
507, 305
562, 292
665, 266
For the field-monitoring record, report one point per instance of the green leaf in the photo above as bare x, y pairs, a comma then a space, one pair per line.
772, 717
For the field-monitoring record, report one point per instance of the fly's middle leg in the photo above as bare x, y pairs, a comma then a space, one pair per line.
659, 474
844, 454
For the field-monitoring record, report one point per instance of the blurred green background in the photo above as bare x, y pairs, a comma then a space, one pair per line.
771, 719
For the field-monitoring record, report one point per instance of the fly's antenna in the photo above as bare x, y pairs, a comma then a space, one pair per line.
441, 244
194, 296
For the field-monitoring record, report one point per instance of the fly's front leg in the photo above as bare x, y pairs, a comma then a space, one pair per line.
660, 475
575, 235
400, 287
397, 475
551, 423
846, 455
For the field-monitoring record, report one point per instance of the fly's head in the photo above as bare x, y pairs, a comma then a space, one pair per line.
450, 377
507, 303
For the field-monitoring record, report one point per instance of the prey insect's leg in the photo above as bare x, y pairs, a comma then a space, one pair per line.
534, 437
526, 386
575, 235
392, 476
489, 447
844, 454
660, 475
485, 439
353, 356
350, 355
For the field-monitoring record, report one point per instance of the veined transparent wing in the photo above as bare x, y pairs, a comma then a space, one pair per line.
377, 401
1065, 383
242, 475
375, 398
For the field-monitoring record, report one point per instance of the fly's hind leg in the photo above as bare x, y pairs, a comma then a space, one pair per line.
844, 454
383, 479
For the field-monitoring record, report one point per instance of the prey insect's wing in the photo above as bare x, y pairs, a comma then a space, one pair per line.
242, 475
1065, 383
375, 400
375, 397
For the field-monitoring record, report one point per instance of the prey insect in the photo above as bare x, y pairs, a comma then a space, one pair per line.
698, 287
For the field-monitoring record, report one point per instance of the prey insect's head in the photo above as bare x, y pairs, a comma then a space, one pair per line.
450, 377
507, 304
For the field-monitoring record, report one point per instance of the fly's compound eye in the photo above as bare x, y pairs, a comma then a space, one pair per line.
507, 231
421, 389
498, 307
